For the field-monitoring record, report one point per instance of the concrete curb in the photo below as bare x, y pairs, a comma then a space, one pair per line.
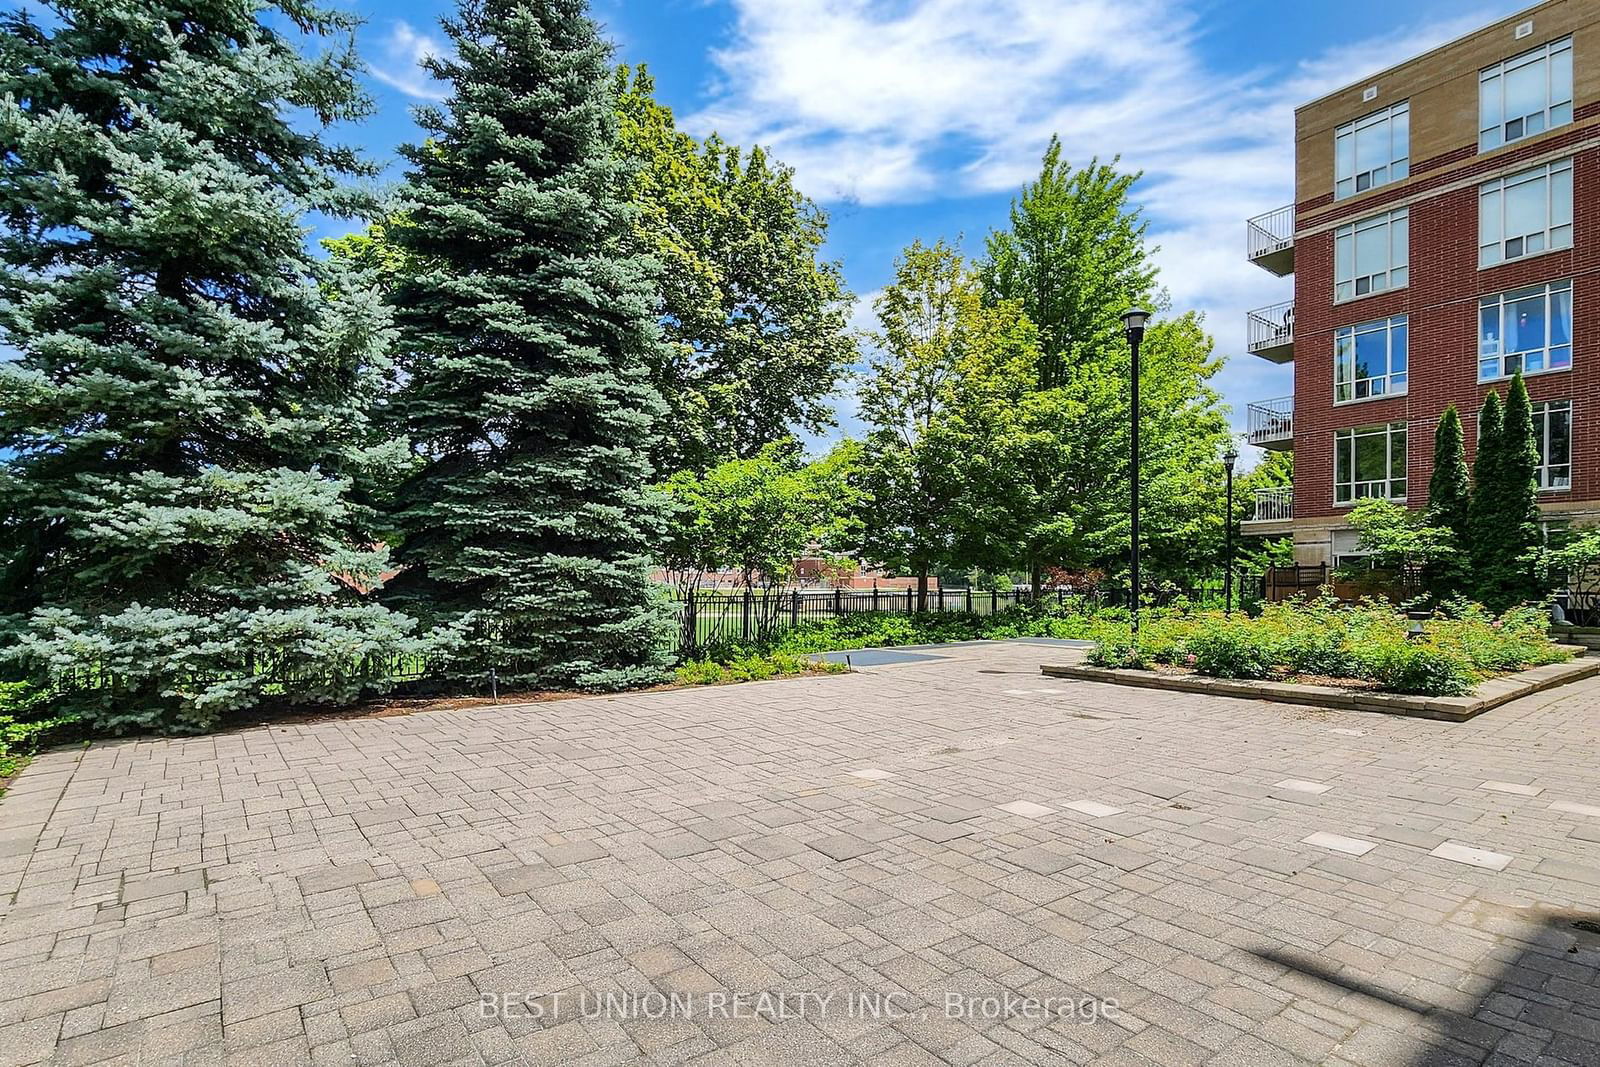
1489, 694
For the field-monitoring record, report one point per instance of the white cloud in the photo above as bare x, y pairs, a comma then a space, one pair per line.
400, 64
906, 101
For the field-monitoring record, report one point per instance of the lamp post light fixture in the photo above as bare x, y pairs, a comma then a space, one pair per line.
1229, 458
1133, 321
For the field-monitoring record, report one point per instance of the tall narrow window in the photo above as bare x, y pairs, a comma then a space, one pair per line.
1525, 214
1552, 429
1372, 255
1369, 461
1525, 95
1526, 329
1369, 360
1372, 151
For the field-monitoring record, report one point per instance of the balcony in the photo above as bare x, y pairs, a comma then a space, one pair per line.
1269, 332
1269, 241
1270, 423
1274, 505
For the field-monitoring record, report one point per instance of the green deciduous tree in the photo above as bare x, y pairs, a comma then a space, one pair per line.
1400, 540
755, 320
528, 329
187, 417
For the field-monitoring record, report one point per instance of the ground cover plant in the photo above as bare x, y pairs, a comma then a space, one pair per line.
1323, 640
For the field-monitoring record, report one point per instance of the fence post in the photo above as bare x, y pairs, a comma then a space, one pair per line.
874, 594
969, 600
691, 625
838, 602
794, 609
994, 601
908, 600
749, 602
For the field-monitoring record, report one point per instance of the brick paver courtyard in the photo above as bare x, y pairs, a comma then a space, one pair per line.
1250, 883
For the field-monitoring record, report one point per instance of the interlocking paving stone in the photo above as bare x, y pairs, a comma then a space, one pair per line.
1337, 843
1518, 788
1576, 809
1093, 808
873, 774
1457, 852
1027, 809
1300, 785
367, 881
842, 847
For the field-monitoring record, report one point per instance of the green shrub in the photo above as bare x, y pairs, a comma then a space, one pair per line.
1115, 649
700, 672
26, 726
1232, 649
1420, 668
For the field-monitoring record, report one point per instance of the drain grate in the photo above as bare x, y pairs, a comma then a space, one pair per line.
1588, 926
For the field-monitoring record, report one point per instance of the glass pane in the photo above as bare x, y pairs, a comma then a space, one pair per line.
1561, 114
1490, 138
1372, 250
1488, 255
1489, 113
1525, 324
1397, 350
1342, 291
1343, 256
1526, 208
1561, 78
1560, 357
1489, 217
1489, 330
1561, 317
1372, 357
1525, 89
1344, 155
1371, 457
1397, 457
1397, 277
1561, 237
1561, 197
1560, 423
1372, 146
1488, 370
1400, 235
1343, 355
1341, 460
1400, 138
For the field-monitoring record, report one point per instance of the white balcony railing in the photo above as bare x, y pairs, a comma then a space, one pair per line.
1271, 422
1269, 240
1275, 504
1269, 332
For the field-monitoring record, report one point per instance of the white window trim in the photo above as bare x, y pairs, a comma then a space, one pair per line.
1352, 129
1541, 428
1550, 288
1387, 325
1501, 69
1350, 434
1400, 216
1546, 171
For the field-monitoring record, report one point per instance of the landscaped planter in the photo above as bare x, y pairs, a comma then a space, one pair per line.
1488, 694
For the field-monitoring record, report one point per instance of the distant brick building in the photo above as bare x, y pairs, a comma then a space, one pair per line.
1445, 233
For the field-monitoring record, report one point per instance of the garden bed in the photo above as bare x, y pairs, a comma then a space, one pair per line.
1346, 697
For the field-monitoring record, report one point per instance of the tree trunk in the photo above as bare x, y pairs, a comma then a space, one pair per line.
1036, 578
922, 589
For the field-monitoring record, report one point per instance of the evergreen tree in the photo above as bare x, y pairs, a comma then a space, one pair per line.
528, 329
1449, 494
1503, 514
185, 418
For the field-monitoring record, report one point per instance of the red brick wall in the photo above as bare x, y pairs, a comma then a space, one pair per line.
1442, 304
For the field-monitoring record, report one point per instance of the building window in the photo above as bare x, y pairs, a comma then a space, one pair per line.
1552, 430
1527, 329
1372, 151
1369, 461
1525, 214
1369, 360
1526, 95
1371, 256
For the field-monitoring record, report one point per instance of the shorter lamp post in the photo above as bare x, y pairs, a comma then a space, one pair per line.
1133, 321
1229, 458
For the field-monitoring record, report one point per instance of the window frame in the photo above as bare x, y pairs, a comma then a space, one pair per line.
1400, 162
1345, 439
1500, 301
1395, 219
1551, 174
1555, 113
1388, 326
1542, 410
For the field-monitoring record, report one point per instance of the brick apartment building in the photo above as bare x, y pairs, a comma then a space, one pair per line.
1445, 233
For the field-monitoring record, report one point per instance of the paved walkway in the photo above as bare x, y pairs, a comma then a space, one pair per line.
1149, 877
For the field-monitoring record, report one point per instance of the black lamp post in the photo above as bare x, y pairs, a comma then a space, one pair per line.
1133, 321
1229, 458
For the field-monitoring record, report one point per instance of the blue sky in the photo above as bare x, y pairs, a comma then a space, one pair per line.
920, 118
